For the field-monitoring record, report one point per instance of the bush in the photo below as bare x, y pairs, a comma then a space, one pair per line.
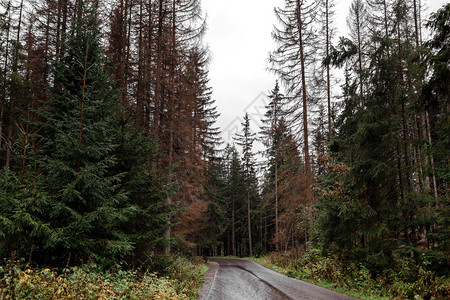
406, 278
90, 281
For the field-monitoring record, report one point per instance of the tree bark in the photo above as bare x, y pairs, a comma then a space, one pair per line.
82, 108
402, 109
158, 75
328, 70
304, 100
233, 221
249, 225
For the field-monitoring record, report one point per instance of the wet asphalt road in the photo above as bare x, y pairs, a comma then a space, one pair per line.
240, 279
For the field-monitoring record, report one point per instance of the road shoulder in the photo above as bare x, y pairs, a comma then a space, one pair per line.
208, 281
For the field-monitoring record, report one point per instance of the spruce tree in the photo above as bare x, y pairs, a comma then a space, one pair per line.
146, 208
245, 140
237, 195
79, 142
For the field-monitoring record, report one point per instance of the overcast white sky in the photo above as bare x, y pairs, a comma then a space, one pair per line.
239, 38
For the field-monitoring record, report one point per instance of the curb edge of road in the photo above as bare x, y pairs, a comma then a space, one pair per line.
208, 280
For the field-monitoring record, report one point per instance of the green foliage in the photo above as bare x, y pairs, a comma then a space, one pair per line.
373, 197
407, 279
23, 215
79, 142
146, 207
187, 277
88, 184
92, 281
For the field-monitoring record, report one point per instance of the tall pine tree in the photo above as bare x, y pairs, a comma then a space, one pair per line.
79, 141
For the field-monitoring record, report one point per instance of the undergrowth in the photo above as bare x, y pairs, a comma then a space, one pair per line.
406, 279
91, 281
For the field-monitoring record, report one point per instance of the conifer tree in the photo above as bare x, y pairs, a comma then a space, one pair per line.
294, 61
245, 140
214, 239
270, 139
357, 24
146, 209
79, 143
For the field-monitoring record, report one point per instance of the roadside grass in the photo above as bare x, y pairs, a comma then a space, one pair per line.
322, 283
91, 281
407, 280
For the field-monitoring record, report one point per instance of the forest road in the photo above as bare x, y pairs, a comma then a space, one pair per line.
240, 279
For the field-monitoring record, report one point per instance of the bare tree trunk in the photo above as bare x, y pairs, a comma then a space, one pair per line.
127, 57
427, 184
417, 153
328, 71
431, 156
15, 63
58, 28
416, 25
139, 95
400, 173
82, 108
249, 223
2, 113
233, 221
358, 29
304, 103
277, 229
8, 150
148, 67
158, 75
4, 88
25, 144
5, 74
172, 104
403, 113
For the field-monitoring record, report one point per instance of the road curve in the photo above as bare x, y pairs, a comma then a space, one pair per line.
241, 279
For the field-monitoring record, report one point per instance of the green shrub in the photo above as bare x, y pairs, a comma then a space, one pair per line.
406, 277
90, 281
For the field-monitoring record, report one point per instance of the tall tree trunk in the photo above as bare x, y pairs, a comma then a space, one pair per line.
172, 100
58, 28
402, 109
149, 72
158, 75
139, 94
431, 156
416, 24
5, 83
25, 144
14, 69
304, 100
249, 224
358, 31
277, 230
8, 150
82, 108
2, 113
16, 48
425, 117
328, 70
64, 26
417, 153
127, 55
233, 221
